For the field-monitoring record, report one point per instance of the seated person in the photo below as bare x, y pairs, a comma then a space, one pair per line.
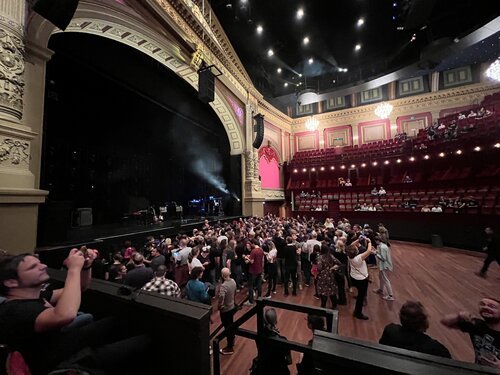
442, 201
461, 116
371, 208
33, 320
374, 191
436, 208
378, 207
441, 126
348, 183
426, 208
306, 366
471, 202
341, 181
271, 358
472, 114
382, 192
410, 334
357, 207
364, 207
484, 331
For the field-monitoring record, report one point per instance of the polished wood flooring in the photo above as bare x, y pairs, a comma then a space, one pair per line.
442, 279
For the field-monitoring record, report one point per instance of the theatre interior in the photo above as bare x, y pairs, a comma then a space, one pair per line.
136, 123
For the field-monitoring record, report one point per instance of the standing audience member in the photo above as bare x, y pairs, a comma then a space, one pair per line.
157, 259
359, 274
272, 272
140, 274
290, 265
255, 263
492, 250
306, 366
307, 250
227, 308
327, 287
180, 257
340, 274
195, 289
410, 334
484, 332
160, 284
384, 261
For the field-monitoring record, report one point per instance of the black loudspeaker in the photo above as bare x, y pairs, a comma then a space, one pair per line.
206, 86
258, 128
59, 12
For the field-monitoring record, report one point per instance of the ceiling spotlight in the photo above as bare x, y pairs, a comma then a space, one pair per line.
496, 145
285, 84
413, 38
322, 168
477, 148
300, 13
300, 74
374, 163
441, 155
386, 162
458, 152
357, 47
353, 166
342, 167
305, 41
297, 85
304, 170
398, 161
394, 4
426, 157
260, 29
313, 169
412, 158
311, 60
270, 52
360, 22
278, 70
332, 168
363, 165
295, 170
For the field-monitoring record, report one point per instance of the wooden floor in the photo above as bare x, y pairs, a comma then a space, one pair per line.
442, 279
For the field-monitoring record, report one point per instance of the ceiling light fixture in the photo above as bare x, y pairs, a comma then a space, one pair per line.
458, 152
383, 110
360, 22
278, 70
270, 52
398, 161
311, 60
259, 29
477, 148
375, 163
305, 41
313, 169
493, 71
285, 84
426, 157
386, 162
332, 168
412, 158
312, 124
342, 167
357, 47
295, 170
363, 165
322, 168
304, 170
496, 145
353, 166
441, 155
300, 74
300, 13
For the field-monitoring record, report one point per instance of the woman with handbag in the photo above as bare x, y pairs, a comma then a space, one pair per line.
327, 286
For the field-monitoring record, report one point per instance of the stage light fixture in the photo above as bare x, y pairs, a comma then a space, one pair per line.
357, 47
300, 13
270, 52
285, 84
360, 22
305, 41
310, 61
300, 75
259, 29
279, 70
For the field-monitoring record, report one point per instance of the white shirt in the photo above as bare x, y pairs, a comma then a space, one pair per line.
195, 263
359, 270
437, 209
271, 256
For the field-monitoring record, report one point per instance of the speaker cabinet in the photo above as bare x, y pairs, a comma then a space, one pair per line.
206, 86
59, 12
258, 128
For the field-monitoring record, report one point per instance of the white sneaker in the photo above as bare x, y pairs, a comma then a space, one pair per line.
388, 298
248, 303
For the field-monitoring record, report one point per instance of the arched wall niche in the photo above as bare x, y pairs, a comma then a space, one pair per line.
114, 21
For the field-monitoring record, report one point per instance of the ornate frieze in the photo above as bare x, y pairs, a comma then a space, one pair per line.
14, 152
252, 165
11, 69
273, 194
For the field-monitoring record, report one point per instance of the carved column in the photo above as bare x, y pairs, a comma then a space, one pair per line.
253, 197
20, 127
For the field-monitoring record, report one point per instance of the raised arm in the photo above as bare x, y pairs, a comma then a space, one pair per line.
69, 297
454, 320
368, 251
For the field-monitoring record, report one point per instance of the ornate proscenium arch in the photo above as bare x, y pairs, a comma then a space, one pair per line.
95, 19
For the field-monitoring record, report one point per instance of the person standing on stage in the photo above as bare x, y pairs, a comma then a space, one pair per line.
492, 250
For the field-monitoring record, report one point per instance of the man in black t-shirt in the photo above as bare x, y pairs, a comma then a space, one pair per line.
484, 333
35, 322
290, 256
492, 250
410, 334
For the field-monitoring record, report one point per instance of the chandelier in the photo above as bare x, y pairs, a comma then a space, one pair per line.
493, 71
383, 110
312, 124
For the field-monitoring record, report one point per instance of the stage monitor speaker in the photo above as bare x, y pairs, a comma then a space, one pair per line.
258, 128
206, 86
59, 12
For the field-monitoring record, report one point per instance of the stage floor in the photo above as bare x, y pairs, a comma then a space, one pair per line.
442, 279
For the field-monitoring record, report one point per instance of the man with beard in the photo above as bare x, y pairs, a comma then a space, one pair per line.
484, 332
